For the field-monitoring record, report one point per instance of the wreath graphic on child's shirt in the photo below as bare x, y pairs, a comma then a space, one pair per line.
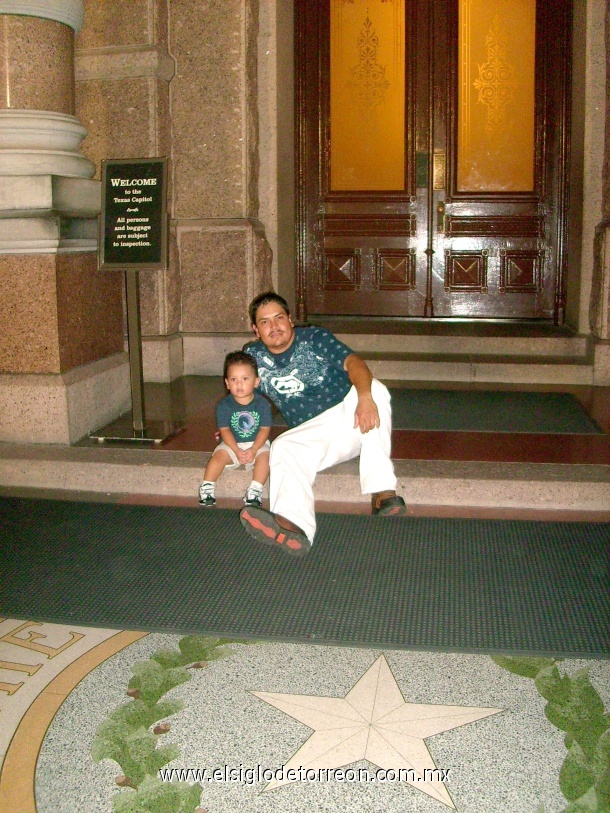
245, 424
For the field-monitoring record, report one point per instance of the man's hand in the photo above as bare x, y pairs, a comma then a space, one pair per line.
367, 415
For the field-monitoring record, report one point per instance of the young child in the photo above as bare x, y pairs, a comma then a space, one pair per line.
244, 421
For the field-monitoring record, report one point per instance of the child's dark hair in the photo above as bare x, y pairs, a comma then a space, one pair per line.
264, 299
239, 357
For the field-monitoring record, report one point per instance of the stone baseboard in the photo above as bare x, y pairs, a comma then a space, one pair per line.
63, 408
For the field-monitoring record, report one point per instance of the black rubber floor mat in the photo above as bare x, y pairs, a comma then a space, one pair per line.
437, 584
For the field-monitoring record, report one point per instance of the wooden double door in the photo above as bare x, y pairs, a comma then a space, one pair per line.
433, 149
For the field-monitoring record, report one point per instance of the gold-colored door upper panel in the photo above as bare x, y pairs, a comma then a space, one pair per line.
496, 101
367, 95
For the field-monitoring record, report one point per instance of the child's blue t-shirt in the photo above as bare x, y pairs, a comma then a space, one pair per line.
244, 420
308, 378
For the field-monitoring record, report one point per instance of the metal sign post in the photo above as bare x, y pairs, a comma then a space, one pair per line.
134, 340
133, 237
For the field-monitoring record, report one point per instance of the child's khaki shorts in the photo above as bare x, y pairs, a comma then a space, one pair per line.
236, 464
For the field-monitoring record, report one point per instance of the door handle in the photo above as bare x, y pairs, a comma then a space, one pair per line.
440, 216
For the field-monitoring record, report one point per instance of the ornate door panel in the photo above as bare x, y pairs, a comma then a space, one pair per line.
432, 157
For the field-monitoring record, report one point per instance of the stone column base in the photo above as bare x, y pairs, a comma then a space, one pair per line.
162, 358
63, 408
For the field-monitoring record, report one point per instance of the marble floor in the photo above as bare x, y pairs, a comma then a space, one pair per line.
99, 720
93, 717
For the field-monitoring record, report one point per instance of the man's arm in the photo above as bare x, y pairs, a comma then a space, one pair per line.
366, 416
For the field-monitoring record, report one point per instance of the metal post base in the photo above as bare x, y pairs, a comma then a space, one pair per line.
122, 430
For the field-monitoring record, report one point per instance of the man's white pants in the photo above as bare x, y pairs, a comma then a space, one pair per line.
330, 438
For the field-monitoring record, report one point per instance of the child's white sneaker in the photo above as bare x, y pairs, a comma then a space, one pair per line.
206, 495
254, 497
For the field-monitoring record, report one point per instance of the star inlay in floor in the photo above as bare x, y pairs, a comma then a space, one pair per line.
374, 722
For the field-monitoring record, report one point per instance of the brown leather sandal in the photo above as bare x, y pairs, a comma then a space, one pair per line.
264, 527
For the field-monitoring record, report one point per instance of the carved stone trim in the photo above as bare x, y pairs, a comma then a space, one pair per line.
123, 63
68, 12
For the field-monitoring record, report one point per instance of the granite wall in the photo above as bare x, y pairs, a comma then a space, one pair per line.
58, 312
179, 79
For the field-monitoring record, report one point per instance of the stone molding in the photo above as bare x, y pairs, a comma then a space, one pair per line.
40, 142
599, 308
47, 235
128, 62
219, 224
68, 12
40, 130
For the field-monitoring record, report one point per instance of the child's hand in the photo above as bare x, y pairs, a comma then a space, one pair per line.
245, 456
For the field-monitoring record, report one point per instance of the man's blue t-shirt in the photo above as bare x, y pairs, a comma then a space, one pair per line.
306, 379
244, 421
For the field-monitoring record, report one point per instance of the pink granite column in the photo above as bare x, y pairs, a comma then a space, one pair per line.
58, 313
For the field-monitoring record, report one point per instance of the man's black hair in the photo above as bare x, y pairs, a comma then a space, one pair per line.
264, 299
239, 357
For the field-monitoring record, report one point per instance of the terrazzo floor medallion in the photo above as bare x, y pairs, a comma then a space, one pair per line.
104, 720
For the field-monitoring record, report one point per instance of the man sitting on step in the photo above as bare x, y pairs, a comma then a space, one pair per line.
336, 411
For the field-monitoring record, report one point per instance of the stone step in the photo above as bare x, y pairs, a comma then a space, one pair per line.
507, 369
490, 352
110, 470
560, 346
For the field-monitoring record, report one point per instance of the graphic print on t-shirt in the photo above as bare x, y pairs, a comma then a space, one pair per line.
287, 384
245, 424
307, 370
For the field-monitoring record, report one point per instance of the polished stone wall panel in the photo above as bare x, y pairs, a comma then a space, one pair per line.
89, 310
29, 338
263, 258
162, 124
173, 289
117, 22
160, 297
606, 170
207, 97
151, 306
37, 65
214, 281
118, 118
252, 118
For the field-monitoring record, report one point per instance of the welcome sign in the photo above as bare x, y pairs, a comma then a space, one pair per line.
134, 221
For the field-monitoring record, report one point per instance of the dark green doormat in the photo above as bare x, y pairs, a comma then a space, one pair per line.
437, 584
490, 411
